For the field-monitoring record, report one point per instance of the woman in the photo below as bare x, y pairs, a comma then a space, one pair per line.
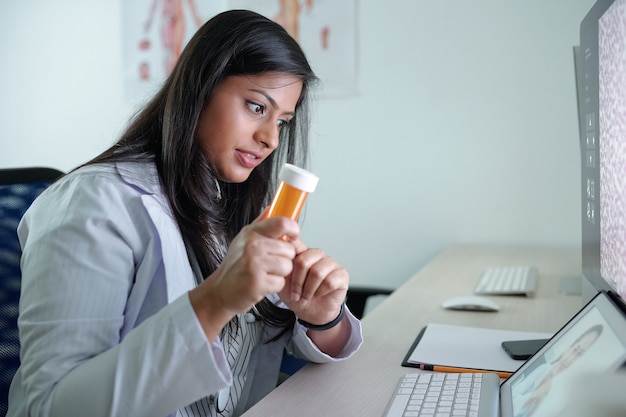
537, 382
152, 286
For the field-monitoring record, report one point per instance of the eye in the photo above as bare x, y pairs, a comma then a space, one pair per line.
283, 123
256, 108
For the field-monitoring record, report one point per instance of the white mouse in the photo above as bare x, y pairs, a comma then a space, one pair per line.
470, 303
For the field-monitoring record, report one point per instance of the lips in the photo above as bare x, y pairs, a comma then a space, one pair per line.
249, 159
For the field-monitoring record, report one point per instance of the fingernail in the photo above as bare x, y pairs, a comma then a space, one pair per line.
295, 296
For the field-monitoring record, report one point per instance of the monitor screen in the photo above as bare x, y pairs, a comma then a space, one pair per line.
602, 106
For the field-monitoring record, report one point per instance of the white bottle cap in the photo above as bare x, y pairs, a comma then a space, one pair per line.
298, 178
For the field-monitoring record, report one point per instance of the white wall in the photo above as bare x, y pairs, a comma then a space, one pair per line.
464, 128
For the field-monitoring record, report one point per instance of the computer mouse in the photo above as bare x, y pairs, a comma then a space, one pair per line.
470, 303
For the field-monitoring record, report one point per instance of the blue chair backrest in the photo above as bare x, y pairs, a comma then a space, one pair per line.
15, 198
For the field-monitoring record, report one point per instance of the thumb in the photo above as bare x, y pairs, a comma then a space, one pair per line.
289, 234
276, 227
264, 215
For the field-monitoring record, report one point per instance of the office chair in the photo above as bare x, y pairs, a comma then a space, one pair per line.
357, 298
18, 188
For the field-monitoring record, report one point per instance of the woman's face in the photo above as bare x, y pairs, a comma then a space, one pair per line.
239, 126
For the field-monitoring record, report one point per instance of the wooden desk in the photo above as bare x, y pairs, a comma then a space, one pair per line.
363, 385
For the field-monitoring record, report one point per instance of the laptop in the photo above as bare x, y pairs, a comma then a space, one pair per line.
593, 341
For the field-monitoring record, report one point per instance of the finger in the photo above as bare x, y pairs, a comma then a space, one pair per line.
273, 261
273, 283
311, 269
276, 227
325, 277
264, 246
302, 263
299, 245
253, 278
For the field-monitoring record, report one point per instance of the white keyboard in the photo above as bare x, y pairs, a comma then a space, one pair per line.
508, 280
440, 394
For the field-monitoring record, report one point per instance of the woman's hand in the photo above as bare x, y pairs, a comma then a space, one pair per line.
315, 291
255, 265
316, 287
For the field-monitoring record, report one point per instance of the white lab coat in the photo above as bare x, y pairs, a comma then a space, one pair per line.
105, 322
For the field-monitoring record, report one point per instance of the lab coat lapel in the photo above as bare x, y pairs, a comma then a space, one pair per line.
179, 276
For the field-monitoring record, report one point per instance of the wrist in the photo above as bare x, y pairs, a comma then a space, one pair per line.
329, 325
209, 312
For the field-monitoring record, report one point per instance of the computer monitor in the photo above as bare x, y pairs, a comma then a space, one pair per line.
601, 73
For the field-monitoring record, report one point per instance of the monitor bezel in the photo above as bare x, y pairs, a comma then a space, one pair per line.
587, 73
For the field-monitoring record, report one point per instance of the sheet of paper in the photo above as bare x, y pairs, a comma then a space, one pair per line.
468, 347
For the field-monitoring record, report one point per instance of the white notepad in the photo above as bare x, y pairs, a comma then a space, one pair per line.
466, 347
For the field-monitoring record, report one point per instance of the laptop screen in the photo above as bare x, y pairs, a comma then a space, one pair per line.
593, 341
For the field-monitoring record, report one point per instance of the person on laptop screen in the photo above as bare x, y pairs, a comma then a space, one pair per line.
153, 285
537, 381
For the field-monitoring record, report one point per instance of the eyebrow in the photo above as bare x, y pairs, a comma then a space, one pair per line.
272, 101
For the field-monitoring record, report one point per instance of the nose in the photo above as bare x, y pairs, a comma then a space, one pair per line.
268, 135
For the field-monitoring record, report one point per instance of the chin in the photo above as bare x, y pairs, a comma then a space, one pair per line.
236, 177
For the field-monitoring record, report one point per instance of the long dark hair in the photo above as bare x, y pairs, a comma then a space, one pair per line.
210, 212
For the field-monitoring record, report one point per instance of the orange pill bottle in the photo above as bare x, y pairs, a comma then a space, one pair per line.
295, 186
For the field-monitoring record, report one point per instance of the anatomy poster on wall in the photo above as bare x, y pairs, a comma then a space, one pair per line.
156, 31
326, 31
154, 34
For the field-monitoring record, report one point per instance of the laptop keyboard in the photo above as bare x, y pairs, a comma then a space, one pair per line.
436, 394
510, 280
